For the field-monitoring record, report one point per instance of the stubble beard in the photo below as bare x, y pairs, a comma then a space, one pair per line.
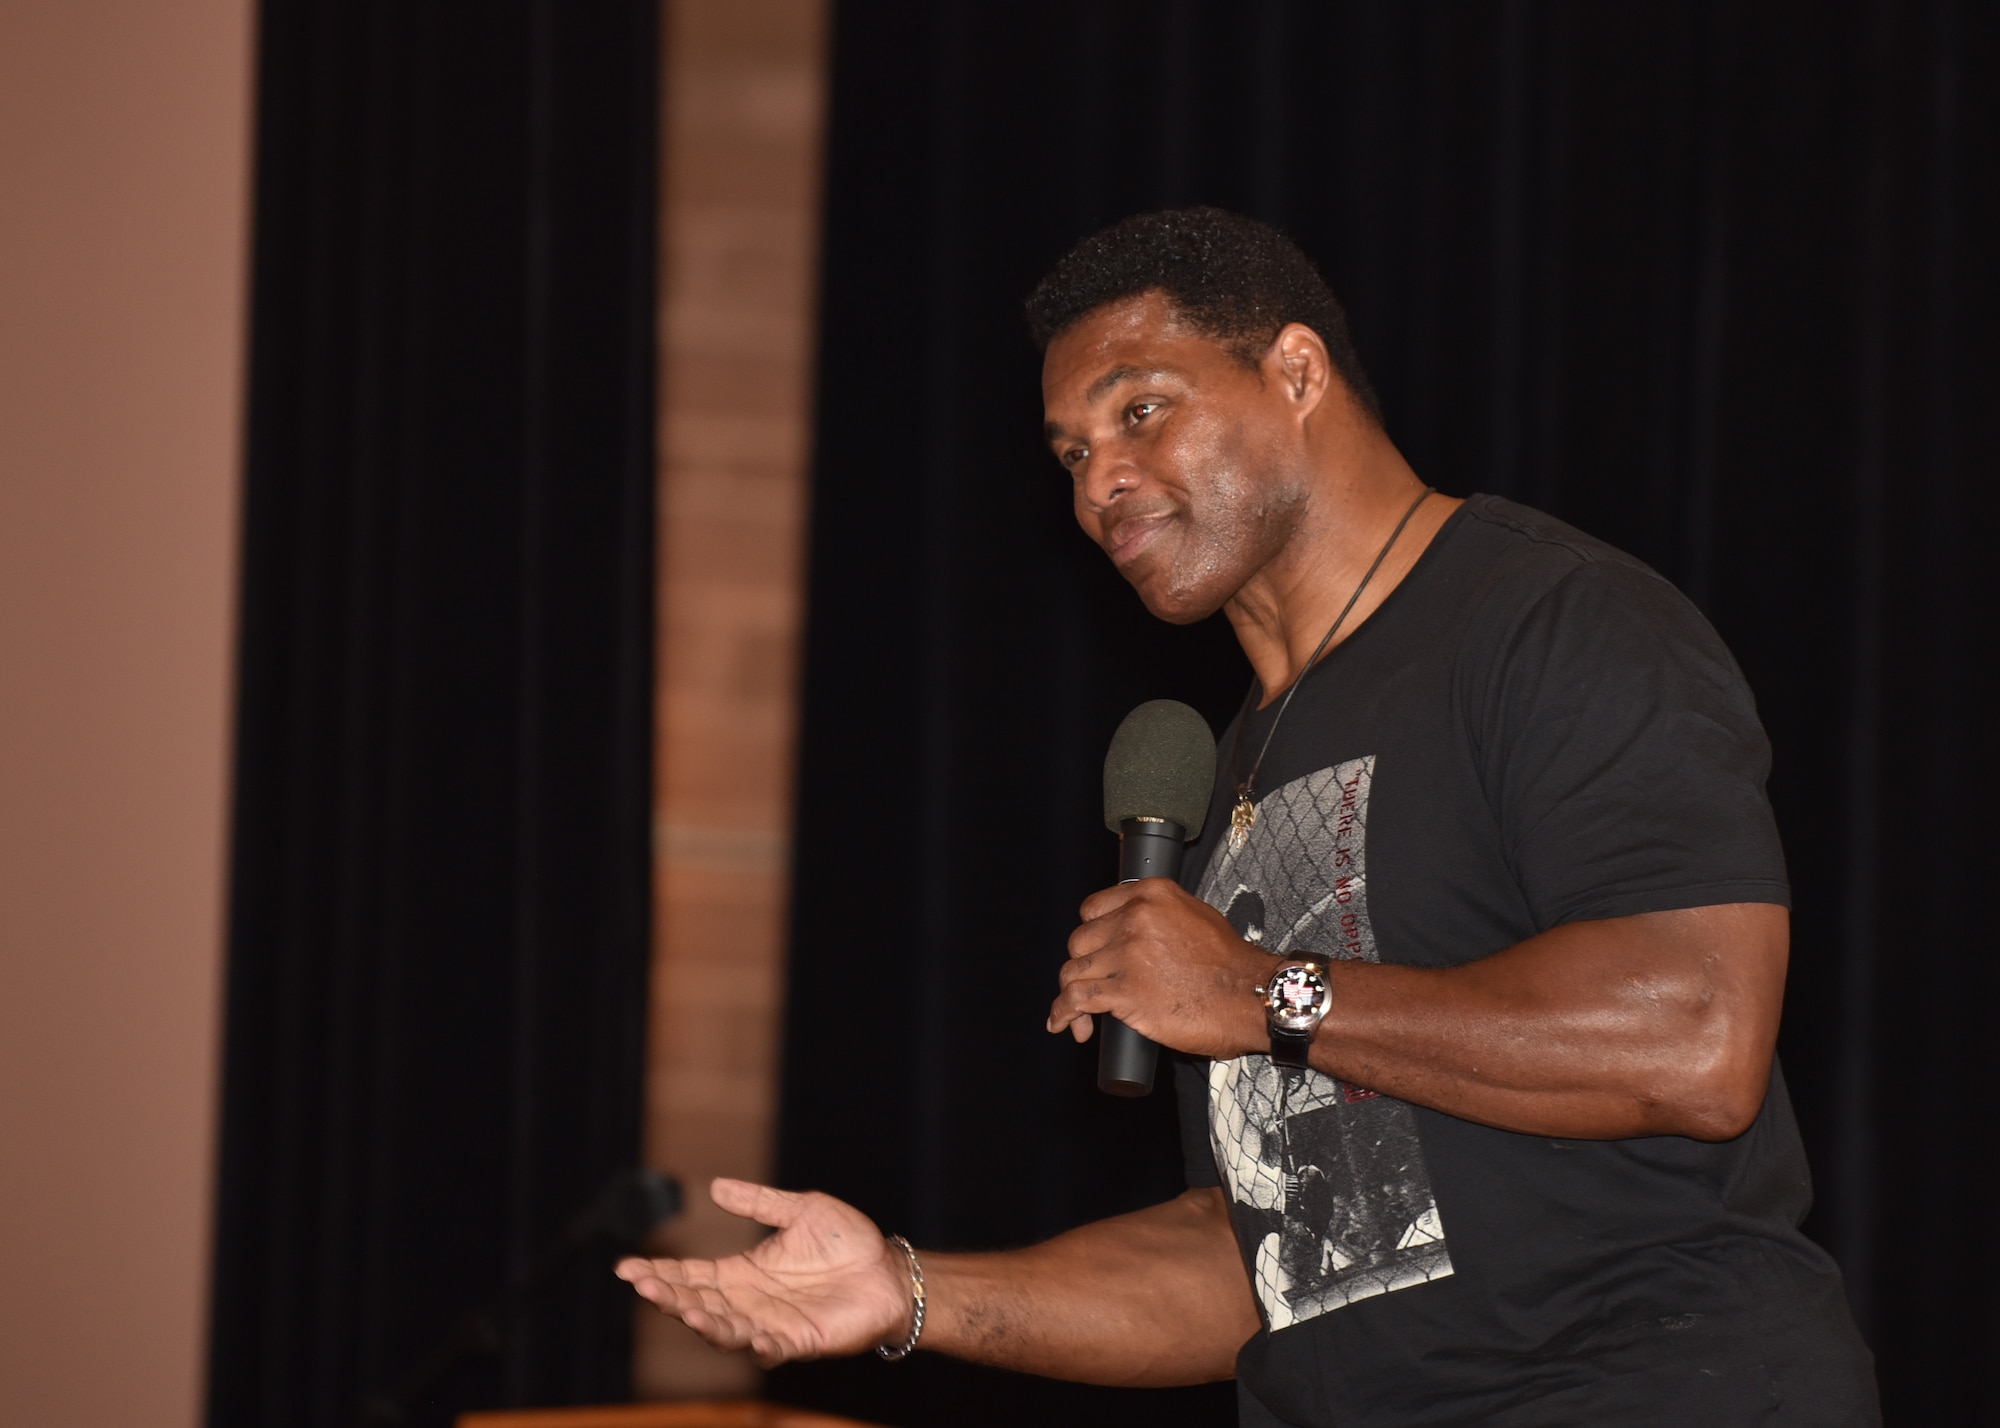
1235, 532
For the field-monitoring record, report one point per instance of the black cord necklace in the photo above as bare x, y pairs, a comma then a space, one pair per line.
1243, 817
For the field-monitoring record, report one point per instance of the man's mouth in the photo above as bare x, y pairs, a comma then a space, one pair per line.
1125, 541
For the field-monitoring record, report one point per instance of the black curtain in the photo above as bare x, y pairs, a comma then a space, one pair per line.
439, 908
1712, 280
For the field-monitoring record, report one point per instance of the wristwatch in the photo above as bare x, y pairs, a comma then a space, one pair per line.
1296, 996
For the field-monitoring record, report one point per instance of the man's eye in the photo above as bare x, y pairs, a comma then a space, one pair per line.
1074, 457
1139, 411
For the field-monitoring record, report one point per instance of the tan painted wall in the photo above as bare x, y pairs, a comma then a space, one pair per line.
123, 152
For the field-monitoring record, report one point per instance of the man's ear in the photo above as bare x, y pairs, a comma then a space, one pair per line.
1303, 366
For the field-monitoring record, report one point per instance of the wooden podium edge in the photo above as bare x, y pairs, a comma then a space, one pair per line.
716, 1413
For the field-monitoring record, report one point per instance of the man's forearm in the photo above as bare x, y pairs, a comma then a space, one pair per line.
1656, 1023
1155, 1298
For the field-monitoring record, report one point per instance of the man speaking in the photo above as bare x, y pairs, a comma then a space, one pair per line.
1475, 996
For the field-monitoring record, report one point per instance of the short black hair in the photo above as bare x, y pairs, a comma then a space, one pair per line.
1228, 277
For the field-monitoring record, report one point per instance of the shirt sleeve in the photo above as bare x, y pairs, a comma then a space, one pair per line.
1622, 754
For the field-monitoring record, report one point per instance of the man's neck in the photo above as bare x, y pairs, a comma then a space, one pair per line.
1283, 612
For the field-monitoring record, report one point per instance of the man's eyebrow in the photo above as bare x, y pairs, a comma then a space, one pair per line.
1052, 431
1111, 379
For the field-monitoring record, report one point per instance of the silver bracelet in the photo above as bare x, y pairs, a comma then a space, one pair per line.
916, 1300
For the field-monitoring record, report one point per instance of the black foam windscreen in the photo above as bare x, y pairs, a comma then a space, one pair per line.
632, 1204
1161, 765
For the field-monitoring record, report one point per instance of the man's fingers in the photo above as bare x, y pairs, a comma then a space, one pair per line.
765, 1204
1072, 1009
639, 1272
1068, 1018
1083, 983
1110, 899
1089, 937
731, 1315
1076, 1023
721, 1330
1079, 967
707, 1311
727, 1327
632, 1269
712, 1302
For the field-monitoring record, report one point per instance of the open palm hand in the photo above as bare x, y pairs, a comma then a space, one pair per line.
826, 1283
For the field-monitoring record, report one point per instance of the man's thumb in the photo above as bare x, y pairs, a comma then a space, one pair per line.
762, 1203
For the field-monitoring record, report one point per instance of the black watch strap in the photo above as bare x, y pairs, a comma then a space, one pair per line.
1290, 1048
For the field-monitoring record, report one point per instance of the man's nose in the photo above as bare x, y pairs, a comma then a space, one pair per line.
1108, 476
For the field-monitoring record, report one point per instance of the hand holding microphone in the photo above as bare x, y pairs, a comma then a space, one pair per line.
1157, 779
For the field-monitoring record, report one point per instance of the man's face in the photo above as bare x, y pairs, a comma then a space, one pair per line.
1187, 466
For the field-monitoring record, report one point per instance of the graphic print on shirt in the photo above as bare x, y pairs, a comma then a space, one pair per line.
1332, 1196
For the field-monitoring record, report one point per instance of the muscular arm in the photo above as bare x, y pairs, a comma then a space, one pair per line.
1153, 1299
1661, 1023
1157, 1297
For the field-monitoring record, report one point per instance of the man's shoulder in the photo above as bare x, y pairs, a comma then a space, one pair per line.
1522, 539
1532, 586
1503, 560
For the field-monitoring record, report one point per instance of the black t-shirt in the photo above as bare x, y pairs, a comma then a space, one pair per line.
1532, 729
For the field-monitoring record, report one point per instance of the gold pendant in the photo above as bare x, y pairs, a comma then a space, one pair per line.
1242, 819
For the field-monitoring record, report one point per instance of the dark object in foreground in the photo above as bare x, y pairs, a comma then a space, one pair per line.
618, 1218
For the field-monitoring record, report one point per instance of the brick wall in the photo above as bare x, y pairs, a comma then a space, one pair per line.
744, 89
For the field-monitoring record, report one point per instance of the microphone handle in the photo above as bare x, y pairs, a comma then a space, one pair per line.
1147, 848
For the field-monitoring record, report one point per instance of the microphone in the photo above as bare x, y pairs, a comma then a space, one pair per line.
1158, 777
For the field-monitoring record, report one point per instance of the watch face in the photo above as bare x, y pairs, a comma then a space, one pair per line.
1297, 999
